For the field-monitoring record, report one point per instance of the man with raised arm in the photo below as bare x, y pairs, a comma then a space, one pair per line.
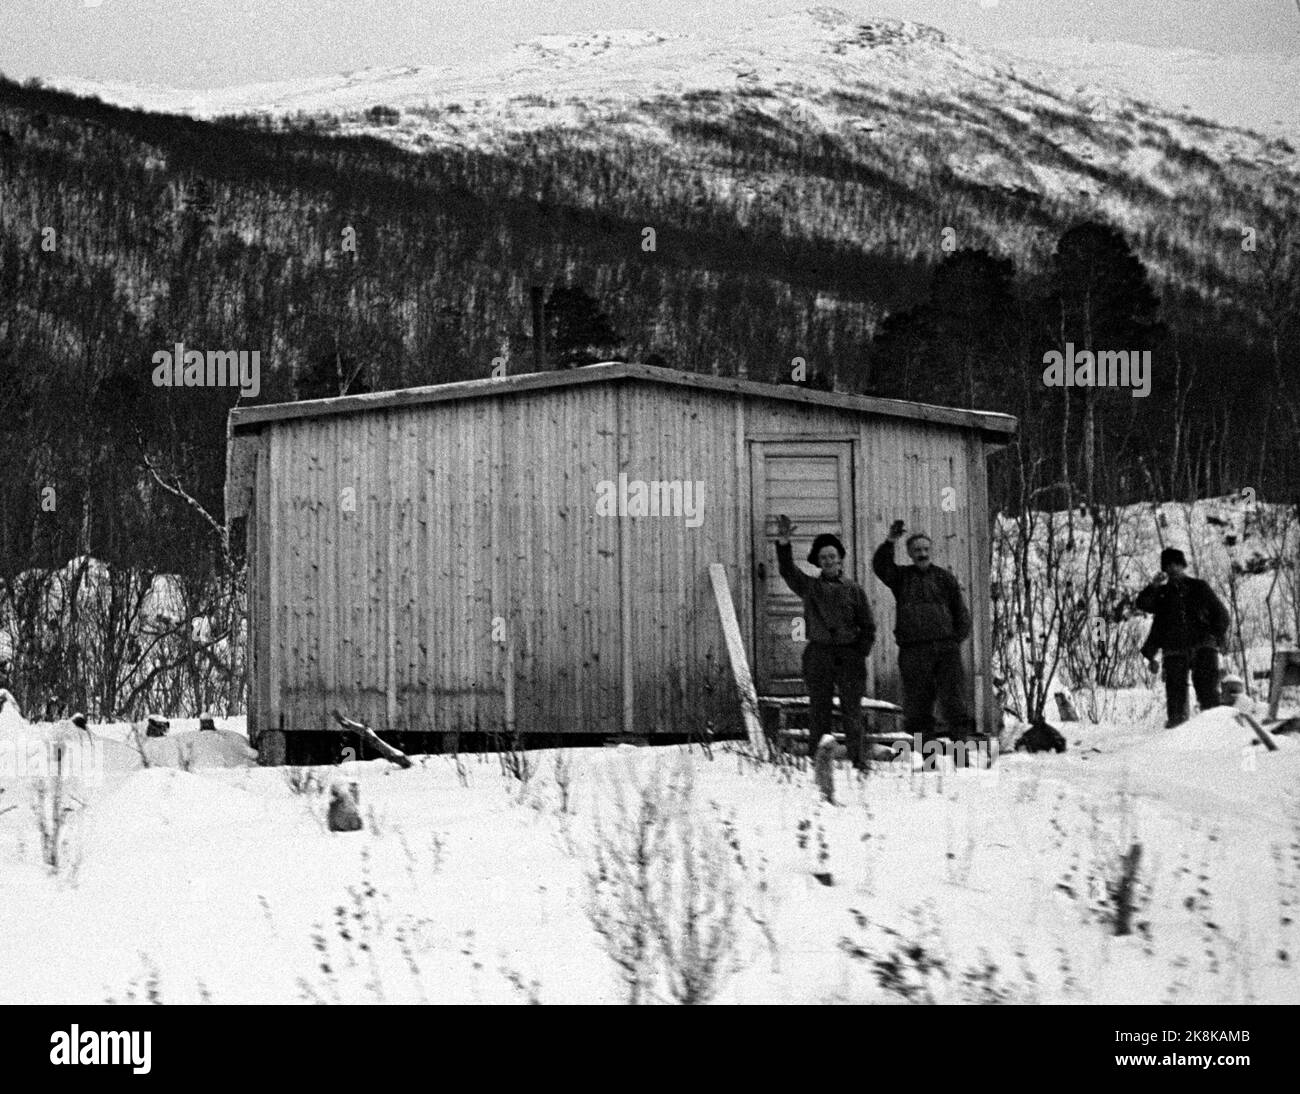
840, 632
931, 624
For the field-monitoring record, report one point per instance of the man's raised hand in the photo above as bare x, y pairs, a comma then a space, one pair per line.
896, 530
784, 528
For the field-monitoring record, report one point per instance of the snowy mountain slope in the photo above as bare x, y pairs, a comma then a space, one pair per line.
814, 53
1260, 91
737, 115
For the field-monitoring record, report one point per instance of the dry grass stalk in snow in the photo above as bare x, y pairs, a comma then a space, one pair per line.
919, 968
144, 988
515, 761
564, 779
359, 958
303, 780
1114, 882
1286, 866
52, 809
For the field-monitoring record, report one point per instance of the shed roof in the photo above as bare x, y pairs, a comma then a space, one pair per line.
998, 428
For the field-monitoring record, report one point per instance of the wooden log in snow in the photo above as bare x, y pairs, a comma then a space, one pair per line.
1265, 737
387, 751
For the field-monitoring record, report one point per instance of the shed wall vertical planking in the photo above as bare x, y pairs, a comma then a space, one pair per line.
470, 510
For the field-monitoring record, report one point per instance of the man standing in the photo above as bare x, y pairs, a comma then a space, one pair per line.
932, 622
1189, 627
840, 632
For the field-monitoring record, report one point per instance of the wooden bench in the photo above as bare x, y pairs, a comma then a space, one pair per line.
781, 707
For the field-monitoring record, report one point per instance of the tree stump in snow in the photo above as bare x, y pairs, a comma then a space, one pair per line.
1065, 707
345, 802
828, 751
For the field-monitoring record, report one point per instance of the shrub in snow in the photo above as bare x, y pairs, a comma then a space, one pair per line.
662, 889
620, 878
1041, 737
694, 913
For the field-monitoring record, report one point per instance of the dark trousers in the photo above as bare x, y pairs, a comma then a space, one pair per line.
933, 671
1203, 666
826, 668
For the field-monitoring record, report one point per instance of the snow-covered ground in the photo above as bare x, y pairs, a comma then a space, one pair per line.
466, 885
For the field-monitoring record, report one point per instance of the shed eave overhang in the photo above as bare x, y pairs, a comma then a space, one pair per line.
996, 428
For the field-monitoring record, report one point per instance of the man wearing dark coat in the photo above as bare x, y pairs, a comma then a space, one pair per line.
931, 623
840, 632
1189, 628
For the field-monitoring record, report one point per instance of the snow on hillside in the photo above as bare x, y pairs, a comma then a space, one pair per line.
802, 56
820, 49
1257, 91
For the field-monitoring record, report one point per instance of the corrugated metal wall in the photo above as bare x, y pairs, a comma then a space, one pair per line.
467, 512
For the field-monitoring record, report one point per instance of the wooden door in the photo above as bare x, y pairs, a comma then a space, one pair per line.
811, 482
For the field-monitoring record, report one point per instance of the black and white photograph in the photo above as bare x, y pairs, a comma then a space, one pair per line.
751, 502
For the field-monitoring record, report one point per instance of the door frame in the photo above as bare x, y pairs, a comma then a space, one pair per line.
759, 446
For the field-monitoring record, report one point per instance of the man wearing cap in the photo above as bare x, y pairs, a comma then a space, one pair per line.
932, 621
840, 632
1189, 627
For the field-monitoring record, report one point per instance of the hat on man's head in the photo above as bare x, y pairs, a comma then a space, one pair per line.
1172, 556
825, 540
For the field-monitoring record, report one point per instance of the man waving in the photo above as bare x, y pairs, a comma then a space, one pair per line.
932, 623
841, 632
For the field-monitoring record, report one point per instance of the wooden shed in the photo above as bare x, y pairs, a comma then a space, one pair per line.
532, 553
